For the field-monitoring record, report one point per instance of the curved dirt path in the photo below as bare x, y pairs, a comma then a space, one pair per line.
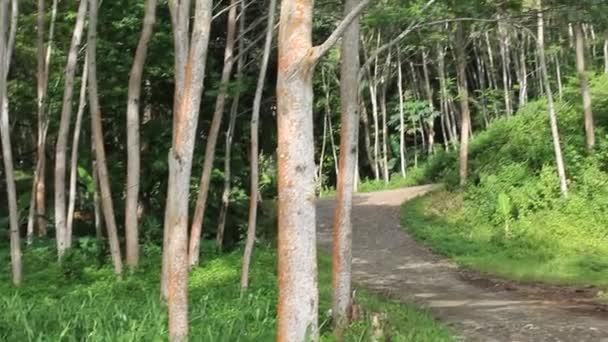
387, 260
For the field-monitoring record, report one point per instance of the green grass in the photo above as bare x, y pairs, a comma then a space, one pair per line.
544, 247
81, 301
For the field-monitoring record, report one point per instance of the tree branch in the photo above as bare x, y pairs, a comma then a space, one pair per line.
320, 50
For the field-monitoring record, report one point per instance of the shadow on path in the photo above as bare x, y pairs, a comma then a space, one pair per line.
387, 260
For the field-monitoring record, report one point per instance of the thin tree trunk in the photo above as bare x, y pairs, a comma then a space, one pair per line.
384, 85
558, 72
229, 136
465, 115
342, 225
402, 156
584, 84
559, 160
606, 54
203, 191
64, 131
107, 205
38, 201
297, 263
6, 48
329, 123
523, 81
367, 134
133, 145
186, 113
82, 101
97, 202
482, 86
429, 96
322, 156
255, 115
505, 68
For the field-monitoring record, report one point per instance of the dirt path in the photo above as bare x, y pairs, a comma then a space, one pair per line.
387, 260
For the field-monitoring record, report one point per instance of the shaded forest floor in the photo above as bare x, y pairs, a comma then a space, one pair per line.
389, 261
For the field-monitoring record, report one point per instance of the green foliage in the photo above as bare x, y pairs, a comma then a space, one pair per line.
82, 302
512, 220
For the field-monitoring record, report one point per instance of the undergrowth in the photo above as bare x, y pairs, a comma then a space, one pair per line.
511, 219
82, 301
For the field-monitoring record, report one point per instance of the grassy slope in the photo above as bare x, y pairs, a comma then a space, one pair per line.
511, 220
79, 302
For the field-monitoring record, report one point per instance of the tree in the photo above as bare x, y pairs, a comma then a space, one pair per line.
559, 160
107, 205
133, 145
8, 29
190, 57
465, 113
255, 178
297, 264
342, 227
584, 85
64, 241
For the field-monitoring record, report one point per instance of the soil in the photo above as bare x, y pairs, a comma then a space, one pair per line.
476, 307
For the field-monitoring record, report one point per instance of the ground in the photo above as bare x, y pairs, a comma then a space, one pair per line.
387, 260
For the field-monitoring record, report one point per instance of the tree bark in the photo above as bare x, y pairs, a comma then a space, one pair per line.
6, 48
229, 136
505, 67
297, 264
429, 96
606, 54
584, 85
133, 145
465, 115
402, 155
203, 191
64, 130
559, 160
74, 158
187, 106
384, 85
38, 201
107, 206
342, 225
255, 116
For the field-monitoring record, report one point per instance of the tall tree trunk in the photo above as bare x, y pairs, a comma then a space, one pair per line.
523, 72
255, 116
481, 76
98, 218
133, 146
342, 225
38, 201
189, 88
558, 71
384, 85
367, 134
328, 118
606, 54
402, 155
229, 136
584, 84
297, 264
64, 132
559, 160
107, 205
6, 48
82, 101
505, 67
320, 180
214, 130
429, 97
465, 115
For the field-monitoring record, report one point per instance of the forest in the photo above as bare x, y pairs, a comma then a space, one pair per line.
299, 170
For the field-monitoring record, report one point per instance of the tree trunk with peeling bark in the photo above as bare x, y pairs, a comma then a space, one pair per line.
584, 86
255, 116
559, 160
107, 205
7, 40
349, 137
214, 130
133, 145
64, 130
297, 264
189, 87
